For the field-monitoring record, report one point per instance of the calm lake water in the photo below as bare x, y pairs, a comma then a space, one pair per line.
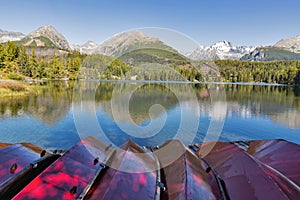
150, 113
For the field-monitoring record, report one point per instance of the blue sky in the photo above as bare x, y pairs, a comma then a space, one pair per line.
242, 22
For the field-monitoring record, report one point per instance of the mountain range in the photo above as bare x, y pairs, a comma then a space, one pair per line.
10, 36
223, 50
48, 37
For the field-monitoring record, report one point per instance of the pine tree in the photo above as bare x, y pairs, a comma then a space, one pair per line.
62, 69
54, 68
23, 62
11, 52
41, 68
1, 56
33, 65
73, 67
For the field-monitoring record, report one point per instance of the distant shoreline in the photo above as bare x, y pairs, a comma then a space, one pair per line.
14, 88
188, 82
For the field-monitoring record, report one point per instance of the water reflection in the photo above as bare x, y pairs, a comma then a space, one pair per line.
277, 102
140, 101
281, 104
245, 106
51, 104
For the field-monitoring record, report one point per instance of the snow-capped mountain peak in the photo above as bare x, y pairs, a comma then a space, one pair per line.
223, 46
87, 47
223, 50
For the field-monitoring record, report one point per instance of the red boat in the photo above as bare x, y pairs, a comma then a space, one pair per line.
92, 170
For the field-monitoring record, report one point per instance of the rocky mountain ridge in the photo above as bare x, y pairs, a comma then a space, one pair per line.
223, 50
88, 47
270, 53
123, 43
119, 44
291, 44
10, 36
50, 33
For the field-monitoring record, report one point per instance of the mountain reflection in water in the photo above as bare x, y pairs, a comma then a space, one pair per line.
253, 112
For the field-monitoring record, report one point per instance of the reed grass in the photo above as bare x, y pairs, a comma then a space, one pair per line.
10, 88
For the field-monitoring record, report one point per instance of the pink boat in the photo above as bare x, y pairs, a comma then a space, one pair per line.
92, 170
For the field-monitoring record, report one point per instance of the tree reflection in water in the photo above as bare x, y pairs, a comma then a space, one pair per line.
47, 116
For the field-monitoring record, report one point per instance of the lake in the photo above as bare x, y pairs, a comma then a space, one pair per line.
150, 113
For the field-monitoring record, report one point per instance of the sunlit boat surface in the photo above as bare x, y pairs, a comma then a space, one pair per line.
265, 169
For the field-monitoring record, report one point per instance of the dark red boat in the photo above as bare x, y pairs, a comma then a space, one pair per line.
93, 170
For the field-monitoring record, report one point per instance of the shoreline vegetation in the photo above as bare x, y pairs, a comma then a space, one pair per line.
19, 67
17, 89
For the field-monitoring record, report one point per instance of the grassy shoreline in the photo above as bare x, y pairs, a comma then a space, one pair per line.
12, 88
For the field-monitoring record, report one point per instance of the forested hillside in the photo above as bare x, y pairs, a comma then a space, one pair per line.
16, 63
282, 72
